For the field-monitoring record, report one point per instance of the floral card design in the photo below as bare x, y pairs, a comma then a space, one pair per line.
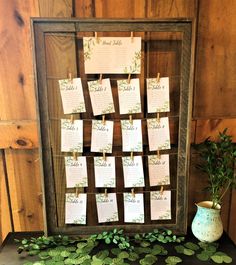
160, 205
102, 136
158, 95
129, 96
133, 171
131, 136
112, 55
158, 134
107, 209
76, 172
133, 208
71, 136
101, 96
72, 95
105, 172
159, 170
75, 208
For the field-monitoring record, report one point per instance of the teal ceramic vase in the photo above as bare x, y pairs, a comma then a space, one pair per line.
207, 224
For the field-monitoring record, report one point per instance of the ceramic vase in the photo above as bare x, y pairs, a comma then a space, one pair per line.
207, 224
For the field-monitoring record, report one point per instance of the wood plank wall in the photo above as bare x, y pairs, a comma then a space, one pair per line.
214, 93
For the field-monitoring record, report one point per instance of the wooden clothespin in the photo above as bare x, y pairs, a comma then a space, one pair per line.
132, 36
133, 193
158, 154
77, 192
131, 119
129, 78
70, 77
132, 156
74, 155
72, 118
158, 77
100, 79
104, 155
96, 37
103, 120
158, 117
161, 190
105, 193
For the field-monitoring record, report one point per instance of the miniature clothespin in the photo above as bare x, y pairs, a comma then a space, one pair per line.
132, 36
100, 79
72, 118
104, 155
158, 154
70, 77
132, 156
96, 37
133, 193
76, 191
74, 155
103, 120
129, 77
131, 119
161, 190
158, 77
158, 117
105, 193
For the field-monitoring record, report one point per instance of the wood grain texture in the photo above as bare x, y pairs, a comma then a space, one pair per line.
56, 8
5, 221
17, 99
19, 134
25, 189
215, 92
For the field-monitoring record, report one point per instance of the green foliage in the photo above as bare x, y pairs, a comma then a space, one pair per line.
218, 163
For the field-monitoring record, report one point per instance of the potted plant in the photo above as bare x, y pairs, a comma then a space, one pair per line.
218, 164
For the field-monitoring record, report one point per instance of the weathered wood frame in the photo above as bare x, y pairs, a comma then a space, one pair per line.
40, 27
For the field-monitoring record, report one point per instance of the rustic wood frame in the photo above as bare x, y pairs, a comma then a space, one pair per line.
40, 27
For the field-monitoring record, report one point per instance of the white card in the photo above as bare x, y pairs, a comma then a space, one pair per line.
133, 208
102, 136
129, 96
112, 55
159, 170
131, 136
107, 208
160, 205
75, 209
76, 172
158, 134
71, 136
105, 172
101, 97
72, 95
133, 171
158, 98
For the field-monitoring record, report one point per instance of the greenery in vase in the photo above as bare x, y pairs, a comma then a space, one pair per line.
218, 163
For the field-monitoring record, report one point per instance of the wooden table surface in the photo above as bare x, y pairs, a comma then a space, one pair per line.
9, 255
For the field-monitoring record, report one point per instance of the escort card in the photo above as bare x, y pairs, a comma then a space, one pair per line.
107, 208
158, 98
129, 96
101, 96
75, 209
133, 171
72, 95
160, 205
105, 172
159, 170
71, 136
133, 208
76, 172
112, 55
102, 136
158, 134
131, 136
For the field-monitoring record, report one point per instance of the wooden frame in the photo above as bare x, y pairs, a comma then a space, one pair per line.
43, 27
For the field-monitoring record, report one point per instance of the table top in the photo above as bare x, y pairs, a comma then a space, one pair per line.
9, 255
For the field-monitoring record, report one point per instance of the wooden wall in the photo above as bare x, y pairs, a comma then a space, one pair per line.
214, 93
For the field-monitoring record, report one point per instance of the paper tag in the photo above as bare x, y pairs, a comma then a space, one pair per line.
105, 172
102, 136
158, 98
71, 136
131, 136
160, 205
107, 208
129, 96
75, 209
133, 208
133, 171
159, 170
101, 97
112, 55
72, 95
158, 134
76, 172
